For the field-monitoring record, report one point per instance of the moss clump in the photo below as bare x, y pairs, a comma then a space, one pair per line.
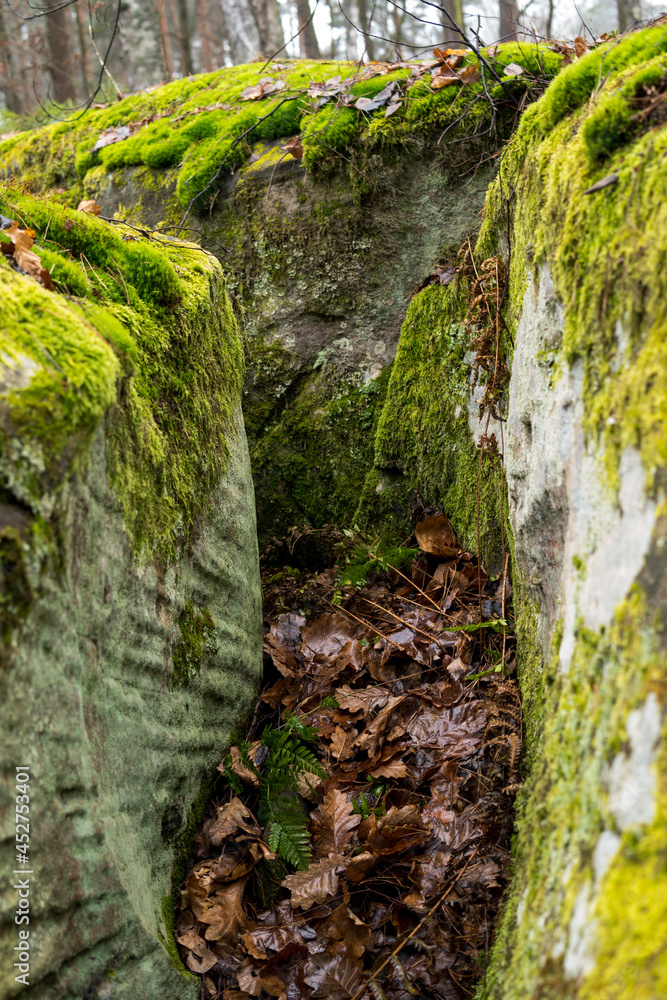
606, 251
139, 334
423, 438
202, 126
196, 645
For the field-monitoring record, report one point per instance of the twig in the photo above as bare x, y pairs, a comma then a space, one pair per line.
415, 628
399, 947
102, 62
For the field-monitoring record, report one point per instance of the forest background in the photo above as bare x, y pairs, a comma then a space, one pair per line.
58, 57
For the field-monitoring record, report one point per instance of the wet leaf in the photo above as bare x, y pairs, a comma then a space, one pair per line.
222, 910
317, 884
333, 823
344, 925
337, 976
232, 816
402, 827
436, 535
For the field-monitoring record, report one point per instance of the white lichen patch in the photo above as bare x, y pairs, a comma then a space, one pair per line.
632, 779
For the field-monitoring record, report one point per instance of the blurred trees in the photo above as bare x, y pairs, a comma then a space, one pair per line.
51, 50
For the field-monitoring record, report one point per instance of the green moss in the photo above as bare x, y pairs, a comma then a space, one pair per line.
562, 810
149, 348
196, 645
311, 458
608, 259
423, 438
202, 126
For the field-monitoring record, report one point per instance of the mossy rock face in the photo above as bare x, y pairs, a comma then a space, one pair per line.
130, 605
323, 253
586, 459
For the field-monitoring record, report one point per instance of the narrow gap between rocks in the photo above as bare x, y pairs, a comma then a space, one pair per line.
357, 840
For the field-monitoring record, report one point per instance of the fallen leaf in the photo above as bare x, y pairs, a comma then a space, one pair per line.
222, 910
602, 184
469, 75
513, 69
111, 135
454, 57
336, 976
344, 925
232, 816
200, 958
359, 867
580, 47
89, 206
315, 885
366, 104
333, 823
294, 147
436, 535
444, 77
239, 768
400, 828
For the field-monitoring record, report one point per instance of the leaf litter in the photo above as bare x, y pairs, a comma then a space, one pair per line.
394, 704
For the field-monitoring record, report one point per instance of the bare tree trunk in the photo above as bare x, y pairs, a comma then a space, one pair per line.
184, 47
241, 30
398, 18
82, 33
453, 8
9, 76
627, 13
509, 19
218, 32
61, 64
364, 27
165, 40
550, 19
203, 30
307, 39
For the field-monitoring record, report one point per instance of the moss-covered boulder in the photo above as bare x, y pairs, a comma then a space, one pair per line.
323, 252
130, 602
571, 257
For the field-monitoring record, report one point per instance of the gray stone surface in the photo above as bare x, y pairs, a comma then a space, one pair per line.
117, 752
